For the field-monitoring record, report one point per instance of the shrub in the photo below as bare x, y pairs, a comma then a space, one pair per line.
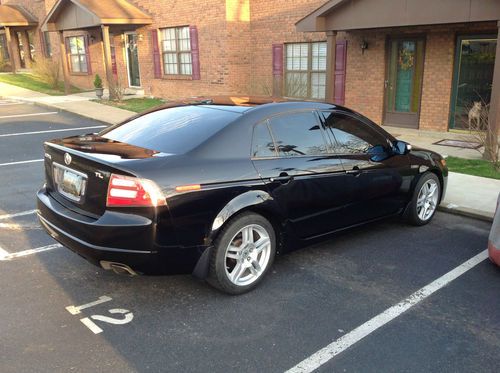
47, 71
97, 81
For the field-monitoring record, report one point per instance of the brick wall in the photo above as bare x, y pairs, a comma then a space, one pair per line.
273, 22
235, 46
366, 73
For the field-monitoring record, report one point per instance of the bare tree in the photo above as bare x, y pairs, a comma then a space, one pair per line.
47, 70
482, 132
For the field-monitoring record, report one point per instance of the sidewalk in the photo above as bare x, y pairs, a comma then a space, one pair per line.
471, 196
426, 139
466, 195
78, 103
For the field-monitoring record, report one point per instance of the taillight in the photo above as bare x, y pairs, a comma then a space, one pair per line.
132, 191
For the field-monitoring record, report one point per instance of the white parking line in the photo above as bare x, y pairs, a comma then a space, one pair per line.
48, 131
322, 356
28, 115
20, 162
3, 253
29, 252
17, 214
10, 103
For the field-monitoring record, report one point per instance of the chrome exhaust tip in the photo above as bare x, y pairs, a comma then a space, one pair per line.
118, 268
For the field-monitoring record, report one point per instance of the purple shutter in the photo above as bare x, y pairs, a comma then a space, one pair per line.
156, 54
86, 41
277, 70
340, 72
277, 59
195, 53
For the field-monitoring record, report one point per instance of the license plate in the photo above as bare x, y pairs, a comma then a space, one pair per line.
70, 183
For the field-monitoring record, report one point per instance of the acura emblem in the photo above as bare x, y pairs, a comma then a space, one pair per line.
67, 158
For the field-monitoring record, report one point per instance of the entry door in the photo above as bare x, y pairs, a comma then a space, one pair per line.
134, 78
403, 85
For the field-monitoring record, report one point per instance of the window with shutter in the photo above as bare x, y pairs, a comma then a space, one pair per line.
176, 51
305, 70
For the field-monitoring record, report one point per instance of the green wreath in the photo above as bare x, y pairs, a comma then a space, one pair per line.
406, 59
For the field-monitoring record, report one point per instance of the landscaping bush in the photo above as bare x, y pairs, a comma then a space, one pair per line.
47, 70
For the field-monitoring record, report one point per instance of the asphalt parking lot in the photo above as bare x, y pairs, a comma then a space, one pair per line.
59, 313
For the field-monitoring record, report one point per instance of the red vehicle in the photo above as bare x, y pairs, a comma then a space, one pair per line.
494, 239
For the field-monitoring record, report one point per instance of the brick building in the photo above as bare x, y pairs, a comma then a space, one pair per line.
419, 64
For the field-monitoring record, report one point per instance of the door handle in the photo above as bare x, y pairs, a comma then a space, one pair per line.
283, 178
355, 171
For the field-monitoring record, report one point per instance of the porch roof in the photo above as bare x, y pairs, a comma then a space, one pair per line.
344, 15
78, 14
12, 16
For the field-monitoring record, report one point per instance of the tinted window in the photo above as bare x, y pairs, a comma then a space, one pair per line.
297, 134
262, 144
175, 130
352, 136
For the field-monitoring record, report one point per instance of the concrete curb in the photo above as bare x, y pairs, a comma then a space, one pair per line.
464, 211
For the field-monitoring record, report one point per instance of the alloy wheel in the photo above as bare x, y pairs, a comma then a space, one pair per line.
427, 199
247, 255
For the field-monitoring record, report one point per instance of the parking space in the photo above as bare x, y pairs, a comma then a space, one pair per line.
23, 127
60, 313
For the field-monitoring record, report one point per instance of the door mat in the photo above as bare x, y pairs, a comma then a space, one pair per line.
459, 144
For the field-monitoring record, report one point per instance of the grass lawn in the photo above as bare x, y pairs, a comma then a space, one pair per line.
30, 81
476, 167
134, 104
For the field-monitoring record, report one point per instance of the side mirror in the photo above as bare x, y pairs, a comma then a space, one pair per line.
401, 147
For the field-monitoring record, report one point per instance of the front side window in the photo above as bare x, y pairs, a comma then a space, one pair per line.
297, 134
176, 50
77, 56
351, 136
305, 74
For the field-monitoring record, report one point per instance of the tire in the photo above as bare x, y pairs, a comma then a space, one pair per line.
425, 200
251, 261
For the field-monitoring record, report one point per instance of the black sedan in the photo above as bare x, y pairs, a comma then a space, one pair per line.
218, 189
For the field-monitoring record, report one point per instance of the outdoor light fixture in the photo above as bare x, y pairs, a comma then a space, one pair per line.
363, 45
140, 37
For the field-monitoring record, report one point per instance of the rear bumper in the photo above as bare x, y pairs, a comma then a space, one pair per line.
114, 237
494, 253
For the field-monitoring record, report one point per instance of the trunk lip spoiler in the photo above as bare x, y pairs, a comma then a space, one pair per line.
90, 157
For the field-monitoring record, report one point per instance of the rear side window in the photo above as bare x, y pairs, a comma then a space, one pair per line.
262, 143
298, 134
352, 136
174, 130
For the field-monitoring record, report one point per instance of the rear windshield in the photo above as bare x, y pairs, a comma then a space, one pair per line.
174, 130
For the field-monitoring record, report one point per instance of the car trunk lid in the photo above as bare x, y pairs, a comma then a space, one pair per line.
78, 169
